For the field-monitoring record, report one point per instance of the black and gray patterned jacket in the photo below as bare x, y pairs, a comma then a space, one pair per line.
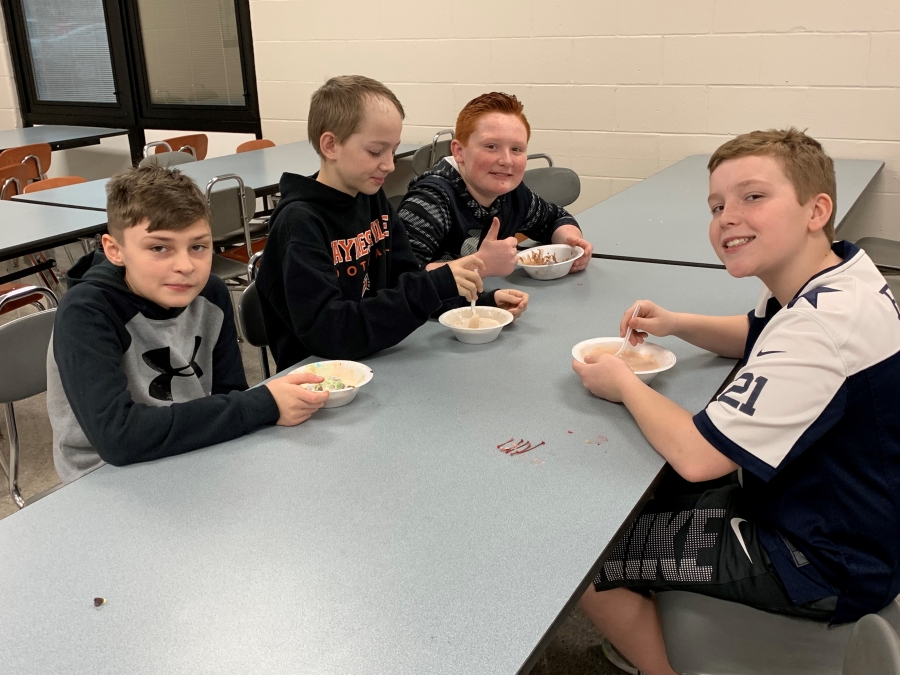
444, 222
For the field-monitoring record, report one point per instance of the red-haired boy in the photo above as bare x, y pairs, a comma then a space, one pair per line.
475, 200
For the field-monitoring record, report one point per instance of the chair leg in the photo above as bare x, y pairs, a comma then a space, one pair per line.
12, 469
264, 363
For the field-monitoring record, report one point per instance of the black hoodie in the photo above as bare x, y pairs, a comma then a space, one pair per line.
129, 381
338, 278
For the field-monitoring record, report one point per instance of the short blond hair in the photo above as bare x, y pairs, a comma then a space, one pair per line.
338, 106
805, 163
165, 197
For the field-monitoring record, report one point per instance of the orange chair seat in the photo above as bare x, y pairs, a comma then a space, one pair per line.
258, 144
199, 143
49, 183
239, 253
21, 302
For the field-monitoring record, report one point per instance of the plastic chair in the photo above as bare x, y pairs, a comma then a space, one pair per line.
251, 318
258, 144
707, 636
49, 183
554, 184
167, 159
885, 253
425, 157
195, 144
873, 649
13, 179
23, 369
36, 157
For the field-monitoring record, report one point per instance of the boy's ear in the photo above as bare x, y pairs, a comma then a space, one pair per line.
328, 143
822, 208
456, 149
112, 249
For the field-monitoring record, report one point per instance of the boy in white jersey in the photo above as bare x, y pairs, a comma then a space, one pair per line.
812, 419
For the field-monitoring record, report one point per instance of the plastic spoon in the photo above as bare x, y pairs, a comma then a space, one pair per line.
474, 320
637, 311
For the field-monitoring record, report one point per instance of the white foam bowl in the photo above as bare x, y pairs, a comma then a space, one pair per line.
664, 357
476, 336
569, 254
338, 397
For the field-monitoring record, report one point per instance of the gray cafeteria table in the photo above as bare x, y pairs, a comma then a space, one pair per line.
388, 536
59, 137
665, 218
29, 228
259, 169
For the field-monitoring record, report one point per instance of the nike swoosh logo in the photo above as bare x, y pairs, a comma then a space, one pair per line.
762, 353
736, 526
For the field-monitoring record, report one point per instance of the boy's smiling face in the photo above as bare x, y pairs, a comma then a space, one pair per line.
492, 163
758, 223
366, 157
168, 267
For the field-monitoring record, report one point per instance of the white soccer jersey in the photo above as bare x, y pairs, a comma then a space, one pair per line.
813, 418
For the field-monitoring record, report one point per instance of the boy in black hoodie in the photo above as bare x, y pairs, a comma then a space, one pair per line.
144, 361
338, 278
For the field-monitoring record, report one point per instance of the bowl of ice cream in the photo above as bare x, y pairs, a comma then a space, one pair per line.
342, 380
647, 360
550, 261
491, 321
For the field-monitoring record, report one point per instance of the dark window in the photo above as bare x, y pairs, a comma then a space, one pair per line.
135, 64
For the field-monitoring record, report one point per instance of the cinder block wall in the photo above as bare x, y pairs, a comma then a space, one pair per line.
615, 89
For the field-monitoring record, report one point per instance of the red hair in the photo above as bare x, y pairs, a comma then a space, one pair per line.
485, 104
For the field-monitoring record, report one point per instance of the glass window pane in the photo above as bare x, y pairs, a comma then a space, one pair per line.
70, 50
191, 51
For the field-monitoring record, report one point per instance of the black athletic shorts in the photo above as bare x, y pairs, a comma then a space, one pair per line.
704, 543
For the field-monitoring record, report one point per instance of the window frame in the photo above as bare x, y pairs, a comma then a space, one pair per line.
134, 110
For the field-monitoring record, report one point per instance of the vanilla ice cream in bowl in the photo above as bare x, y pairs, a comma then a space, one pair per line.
491, 321
550, 261
342, 380
647, 360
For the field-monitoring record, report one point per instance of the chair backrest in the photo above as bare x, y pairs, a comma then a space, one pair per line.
258, 144
554, 184
48, 183
427, 156
251, 317
13, 179
196, 144
885, 253
873, 648
35, 156
23, 344
228, 214
167, 159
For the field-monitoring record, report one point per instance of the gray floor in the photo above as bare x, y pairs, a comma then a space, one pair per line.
574, 650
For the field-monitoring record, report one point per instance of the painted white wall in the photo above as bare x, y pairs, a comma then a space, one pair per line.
615, 89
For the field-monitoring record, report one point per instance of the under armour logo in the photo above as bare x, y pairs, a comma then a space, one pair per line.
161, 361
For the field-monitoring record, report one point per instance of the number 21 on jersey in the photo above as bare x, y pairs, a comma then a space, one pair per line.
740, 387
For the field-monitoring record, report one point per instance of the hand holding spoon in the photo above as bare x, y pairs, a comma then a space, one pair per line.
474, 320
637, 310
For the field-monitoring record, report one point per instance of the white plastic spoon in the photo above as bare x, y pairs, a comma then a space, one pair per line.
474, 320
637, 311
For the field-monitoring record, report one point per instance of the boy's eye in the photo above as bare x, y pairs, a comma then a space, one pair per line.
716, 208
200, 247
753, 197
374, 154
158, 248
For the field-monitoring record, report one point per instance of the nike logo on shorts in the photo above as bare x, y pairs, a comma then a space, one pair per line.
762, 353
736, 526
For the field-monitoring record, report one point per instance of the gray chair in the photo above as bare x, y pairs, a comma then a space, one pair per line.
230, 220
873, 649
706, 636
23, 369
425, 157
554, 184
251, 318
885, 253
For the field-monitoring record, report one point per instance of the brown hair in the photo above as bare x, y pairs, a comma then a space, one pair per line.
166, 197
338, 106
483, 105
805, 163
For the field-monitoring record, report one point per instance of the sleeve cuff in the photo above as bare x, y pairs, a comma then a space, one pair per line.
261, 407
442, 278
734, 452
